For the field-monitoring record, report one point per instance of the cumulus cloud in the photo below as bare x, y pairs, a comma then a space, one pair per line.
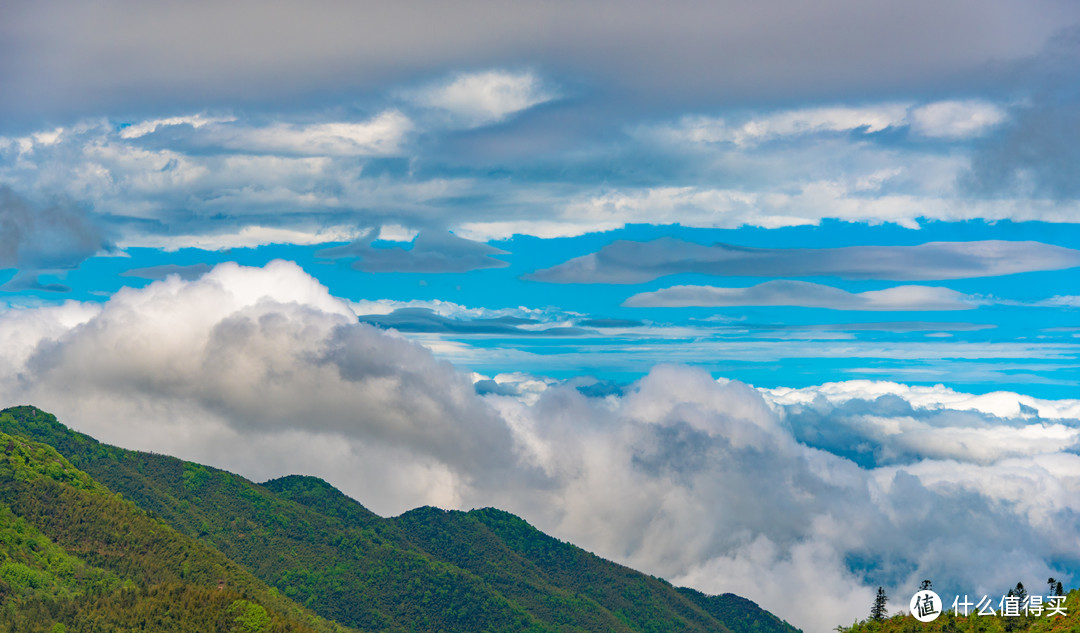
678, 452
241, 355
713, 484
887, 430
39, 238
807, 295
629, 262
475, 99
1001, 404
431, 252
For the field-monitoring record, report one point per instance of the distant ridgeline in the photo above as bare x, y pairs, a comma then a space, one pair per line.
96, 538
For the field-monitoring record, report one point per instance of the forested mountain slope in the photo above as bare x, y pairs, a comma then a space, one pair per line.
76, 557
427, 570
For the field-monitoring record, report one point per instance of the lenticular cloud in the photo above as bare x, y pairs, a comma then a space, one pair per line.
767, 493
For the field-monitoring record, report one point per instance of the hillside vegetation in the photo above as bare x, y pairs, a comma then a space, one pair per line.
426, 570
949, 622
76, 557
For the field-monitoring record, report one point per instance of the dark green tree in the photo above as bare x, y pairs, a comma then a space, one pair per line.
926, 585
1059, 590
878, 612
1020, 592
1050, 582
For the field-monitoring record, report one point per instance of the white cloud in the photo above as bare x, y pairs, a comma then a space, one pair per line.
383, 135
142, 128
481, 98
789, 123
247, 237
807, 295
951, 119
262, 371
779, 203
956, 119
447, 309
721, 173
1060, 301
267, 355
1003, 404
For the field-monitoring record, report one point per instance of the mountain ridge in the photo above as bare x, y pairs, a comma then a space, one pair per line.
425, 570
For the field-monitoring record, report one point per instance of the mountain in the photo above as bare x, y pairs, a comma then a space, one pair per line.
426, 570
74, 556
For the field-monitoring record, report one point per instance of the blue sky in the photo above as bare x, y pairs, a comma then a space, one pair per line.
844, 233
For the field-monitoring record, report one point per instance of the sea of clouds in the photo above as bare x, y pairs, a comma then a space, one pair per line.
804, 500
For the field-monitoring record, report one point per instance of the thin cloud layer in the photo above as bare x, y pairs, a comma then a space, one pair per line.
428, 321
625, 262
383, 135
953, 119
712, 484
187, 273
431, 252
807, 295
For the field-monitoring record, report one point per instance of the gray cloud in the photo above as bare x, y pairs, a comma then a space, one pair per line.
37, 238
1035, 154
99, 56
805, 294
428, 321
431, 252
626, 262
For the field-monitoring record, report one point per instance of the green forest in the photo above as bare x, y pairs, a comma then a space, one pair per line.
97, 538
950, 622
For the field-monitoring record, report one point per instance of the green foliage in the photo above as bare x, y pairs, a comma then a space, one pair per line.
949, 622
425, 571
878, 611
76, 557
250, 617
739, 614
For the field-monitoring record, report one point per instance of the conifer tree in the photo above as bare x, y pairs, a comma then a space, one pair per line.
1020, 592
878, 612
